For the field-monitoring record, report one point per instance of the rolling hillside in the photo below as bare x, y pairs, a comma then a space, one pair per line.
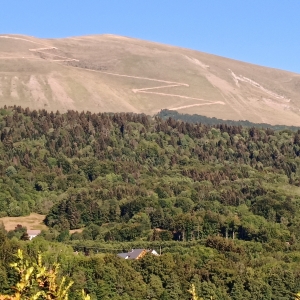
118, 74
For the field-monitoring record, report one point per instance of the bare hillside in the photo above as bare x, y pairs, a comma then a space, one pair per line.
119, 74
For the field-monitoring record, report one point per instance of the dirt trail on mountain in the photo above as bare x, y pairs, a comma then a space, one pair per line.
200, 104
170, 84
38, 50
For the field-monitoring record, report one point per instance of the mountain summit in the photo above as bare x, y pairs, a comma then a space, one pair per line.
108, 73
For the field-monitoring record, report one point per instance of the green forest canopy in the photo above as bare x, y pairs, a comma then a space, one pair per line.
221, 200
165, 114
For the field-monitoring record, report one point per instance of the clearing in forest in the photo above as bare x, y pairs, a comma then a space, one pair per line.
33, 221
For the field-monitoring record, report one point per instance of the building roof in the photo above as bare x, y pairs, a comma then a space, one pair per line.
123, 255
133, 254
154, 252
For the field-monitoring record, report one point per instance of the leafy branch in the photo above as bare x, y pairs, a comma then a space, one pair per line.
37, 282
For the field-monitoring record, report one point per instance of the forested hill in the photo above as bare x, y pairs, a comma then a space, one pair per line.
126, 157
165, 114
132, 178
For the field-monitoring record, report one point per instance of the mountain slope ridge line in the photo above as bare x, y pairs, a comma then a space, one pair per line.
170, 84
17, 38
39, 50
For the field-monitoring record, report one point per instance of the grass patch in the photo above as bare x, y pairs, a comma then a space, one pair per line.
33, 221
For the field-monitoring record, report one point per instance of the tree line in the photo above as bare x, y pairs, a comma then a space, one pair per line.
231, 193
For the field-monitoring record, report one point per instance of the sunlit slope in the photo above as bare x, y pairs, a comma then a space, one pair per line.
112, 73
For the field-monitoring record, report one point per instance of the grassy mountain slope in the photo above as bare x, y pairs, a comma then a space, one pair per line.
113, 73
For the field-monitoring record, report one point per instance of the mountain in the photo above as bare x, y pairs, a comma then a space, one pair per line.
119, 74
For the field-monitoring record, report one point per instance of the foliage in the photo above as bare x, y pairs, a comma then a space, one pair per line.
38, 282
165, 114
221, 202
193, 293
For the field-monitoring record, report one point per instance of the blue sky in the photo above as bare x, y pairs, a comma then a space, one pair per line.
265, 32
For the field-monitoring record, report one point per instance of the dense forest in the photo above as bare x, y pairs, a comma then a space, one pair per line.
220, 201
165, 114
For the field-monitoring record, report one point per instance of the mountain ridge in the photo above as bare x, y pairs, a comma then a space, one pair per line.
121, 74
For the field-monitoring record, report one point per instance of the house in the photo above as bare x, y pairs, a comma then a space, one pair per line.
136, 253
33, 233
153, 252
133, 254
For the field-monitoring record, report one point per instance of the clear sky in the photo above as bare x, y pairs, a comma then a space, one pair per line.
264, 32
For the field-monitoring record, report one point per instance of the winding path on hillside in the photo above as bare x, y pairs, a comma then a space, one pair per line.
170, 84
38, 50
149, 90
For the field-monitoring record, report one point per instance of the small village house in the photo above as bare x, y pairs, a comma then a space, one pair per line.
137, 253
33, 233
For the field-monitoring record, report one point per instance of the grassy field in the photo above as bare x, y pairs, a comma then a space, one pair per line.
33, 221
